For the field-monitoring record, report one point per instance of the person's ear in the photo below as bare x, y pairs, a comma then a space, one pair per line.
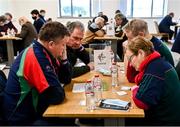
50, 44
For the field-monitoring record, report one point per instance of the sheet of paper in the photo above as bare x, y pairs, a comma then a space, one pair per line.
78, 87
2, 66
82, 103
122, 72
121, 93
80, 64
102, 59
117, 102
125, 88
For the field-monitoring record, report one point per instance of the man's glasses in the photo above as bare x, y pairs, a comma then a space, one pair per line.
76, 38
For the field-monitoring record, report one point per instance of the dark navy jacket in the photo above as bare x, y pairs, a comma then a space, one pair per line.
165, 24
43, 74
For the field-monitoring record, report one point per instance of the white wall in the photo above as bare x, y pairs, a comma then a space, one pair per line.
23, 8
4, 5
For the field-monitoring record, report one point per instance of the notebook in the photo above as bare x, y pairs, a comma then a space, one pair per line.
115, 104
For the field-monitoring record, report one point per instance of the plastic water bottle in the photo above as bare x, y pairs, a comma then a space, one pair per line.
12, 32
90, 100
97, 88
8, 32
114, 74
112, 56
110, 28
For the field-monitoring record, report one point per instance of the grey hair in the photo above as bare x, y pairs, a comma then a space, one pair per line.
76, 24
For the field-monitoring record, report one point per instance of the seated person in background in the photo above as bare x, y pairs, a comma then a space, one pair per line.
49, 20
94, 30
38, 22
165, 24
2, 23
120, 21
28, 34
158, 86
9, 24
42, 14
98, 15
3, 48
139, 27
75, 49
35, 77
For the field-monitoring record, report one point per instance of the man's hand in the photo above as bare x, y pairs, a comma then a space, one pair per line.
64, 54
91, 65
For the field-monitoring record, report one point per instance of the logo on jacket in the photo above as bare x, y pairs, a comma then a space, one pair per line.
48, 68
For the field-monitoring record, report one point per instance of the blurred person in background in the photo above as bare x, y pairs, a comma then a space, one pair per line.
94, 30
38, 22
28, 34
120, 22
2, 43
165, 24
42, 14
9, 24
2, 23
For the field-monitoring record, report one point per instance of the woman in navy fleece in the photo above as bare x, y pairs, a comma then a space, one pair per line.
157, 85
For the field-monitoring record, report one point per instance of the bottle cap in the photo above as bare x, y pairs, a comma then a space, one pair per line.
88, 81
96, 75
114, 63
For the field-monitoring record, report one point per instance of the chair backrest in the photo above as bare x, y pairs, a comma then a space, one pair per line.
156, 27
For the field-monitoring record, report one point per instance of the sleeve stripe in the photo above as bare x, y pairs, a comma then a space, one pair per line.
33, 72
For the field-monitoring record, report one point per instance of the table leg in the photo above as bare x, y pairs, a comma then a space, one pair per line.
114, 122
175, 31
114, 48
10, 51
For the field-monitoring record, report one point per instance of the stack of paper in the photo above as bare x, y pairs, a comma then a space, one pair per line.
78, 87
115, 104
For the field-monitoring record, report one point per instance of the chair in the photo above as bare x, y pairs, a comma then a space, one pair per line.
158, 34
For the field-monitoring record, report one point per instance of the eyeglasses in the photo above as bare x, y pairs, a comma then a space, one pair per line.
130, 57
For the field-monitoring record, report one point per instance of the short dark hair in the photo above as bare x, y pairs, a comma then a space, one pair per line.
9, 14
42, 11
105, 18
171, 14
52, 30
117, 11
119, 15
76, 24
35, 11
2, 18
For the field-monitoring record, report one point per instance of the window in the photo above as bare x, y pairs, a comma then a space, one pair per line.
145, 8
76, 8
